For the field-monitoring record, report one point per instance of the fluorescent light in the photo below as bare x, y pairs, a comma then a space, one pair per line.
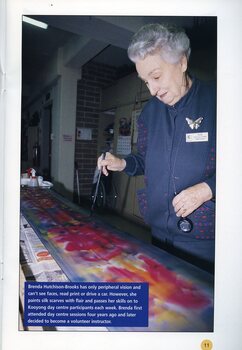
34, 22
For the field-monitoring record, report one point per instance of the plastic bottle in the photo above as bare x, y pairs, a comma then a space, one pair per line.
33, 180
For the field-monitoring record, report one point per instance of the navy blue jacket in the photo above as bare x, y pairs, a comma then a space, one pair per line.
171, 164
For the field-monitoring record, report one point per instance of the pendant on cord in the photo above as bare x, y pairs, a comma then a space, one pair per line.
185, 225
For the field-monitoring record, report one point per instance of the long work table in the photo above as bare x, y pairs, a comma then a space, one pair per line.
90, 250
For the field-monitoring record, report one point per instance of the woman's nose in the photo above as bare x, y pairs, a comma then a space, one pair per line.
153, 88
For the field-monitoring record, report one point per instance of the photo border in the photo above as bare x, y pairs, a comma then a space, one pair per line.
228, 287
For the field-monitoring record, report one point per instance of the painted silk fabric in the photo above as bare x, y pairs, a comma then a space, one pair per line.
180, 295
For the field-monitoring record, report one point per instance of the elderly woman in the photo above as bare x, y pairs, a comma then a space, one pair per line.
176, 145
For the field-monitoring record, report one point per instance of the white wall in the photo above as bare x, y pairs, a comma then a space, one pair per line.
63, 164
124, 92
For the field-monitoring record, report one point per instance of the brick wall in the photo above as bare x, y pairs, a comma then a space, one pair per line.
95, 77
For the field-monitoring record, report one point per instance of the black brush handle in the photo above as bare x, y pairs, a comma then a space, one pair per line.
97, 185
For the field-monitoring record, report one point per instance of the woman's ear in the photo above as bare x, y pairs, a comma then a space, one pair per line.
184, 64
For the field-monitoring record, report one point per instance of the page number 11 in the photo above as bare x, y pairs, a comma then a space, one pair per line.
206, 344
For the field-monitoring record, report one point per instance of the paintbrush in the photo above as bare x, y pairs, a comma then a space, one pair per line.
97, 186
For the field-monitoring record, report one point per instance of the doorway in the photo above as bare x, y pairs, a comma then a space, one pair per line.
46, 138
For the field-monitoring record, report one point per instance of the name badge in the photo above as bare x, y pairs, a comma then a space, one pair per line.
197, 137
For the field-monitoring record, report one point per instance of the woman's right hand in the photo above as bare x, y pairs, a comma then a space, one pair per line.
110, 162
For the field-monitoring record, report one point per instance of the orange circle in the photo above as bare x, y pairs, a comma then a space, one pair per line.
206, 344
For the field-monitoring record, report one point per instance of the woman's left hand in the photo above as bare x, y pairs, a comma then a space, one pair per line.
191, 198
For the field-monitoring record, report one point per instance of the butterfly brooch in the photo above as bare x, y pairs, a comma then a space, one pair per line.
194, 124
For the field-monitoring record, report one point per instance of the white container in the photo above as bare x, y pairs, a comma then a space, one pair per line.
40, 180
33, 182
24, 181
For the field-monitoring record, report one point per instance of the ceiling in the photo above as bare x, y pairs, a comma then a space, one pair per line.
102, 39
